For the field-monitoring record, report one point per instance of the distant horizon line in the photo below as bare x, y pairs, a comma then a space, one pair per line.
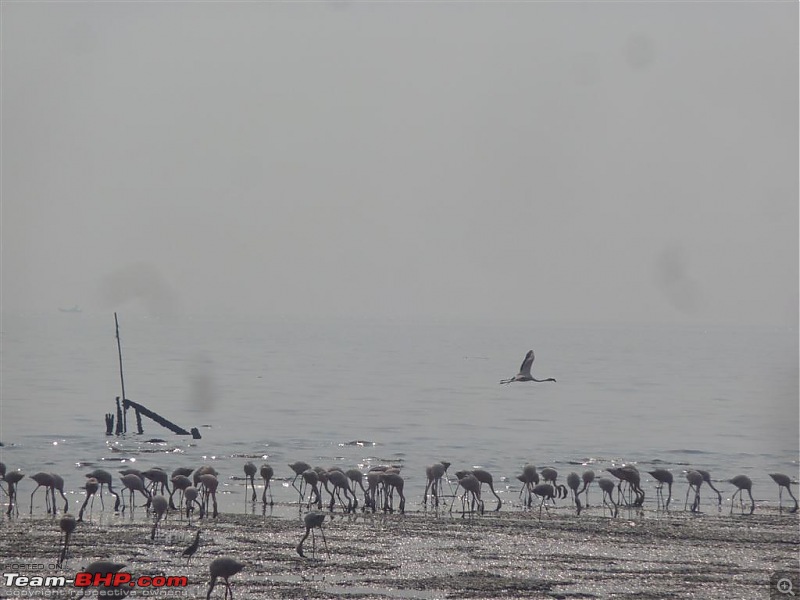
139, 314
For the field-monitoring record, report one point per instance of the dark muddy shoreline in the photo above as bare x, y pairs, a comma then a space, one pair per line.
510, 554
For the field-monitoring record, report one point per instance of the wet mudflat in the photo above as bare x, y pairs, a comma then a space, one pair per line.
510, 554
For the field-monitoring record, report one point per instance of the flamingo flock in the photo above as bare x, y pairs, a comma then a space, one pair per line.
384, 491
382, 488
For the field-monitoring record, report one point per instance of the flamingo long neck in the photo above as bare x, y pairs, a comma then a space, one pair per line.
719, 496
303, 539
788, 489
211, 587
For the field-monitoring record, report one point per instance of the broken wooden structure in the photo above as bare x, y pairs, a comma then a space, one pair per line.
122, 409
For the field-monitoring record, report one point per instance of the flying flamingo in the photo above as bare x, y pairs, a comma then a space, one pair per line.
783, 481
525, 371
224, 567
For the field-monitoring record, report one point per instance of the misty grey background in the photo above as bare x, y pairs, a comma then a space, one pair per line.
557, 162
619, 181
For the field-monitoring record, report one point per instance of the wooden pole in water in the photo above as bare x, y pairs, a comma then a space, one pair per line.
119, 417
121, 377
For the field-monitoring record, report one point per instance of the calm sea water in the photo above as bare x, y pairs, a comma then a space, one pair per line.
721, 399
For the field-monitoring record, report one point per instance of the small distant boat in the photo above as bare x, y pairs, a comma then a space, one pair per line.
74, 309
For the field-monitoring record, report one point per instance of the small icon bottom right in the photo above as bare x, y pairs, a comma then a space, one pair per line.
783, 584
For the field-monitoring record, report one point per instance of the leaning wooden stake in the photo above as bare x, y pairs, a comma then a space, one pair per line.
119, 417
143, 410
139, 428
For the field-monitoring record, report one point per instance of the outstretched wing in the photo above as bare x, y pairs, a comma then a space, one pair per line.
525, 368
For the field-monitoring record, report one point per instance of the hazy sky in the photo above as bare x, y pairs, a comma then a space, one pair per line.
556, 161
